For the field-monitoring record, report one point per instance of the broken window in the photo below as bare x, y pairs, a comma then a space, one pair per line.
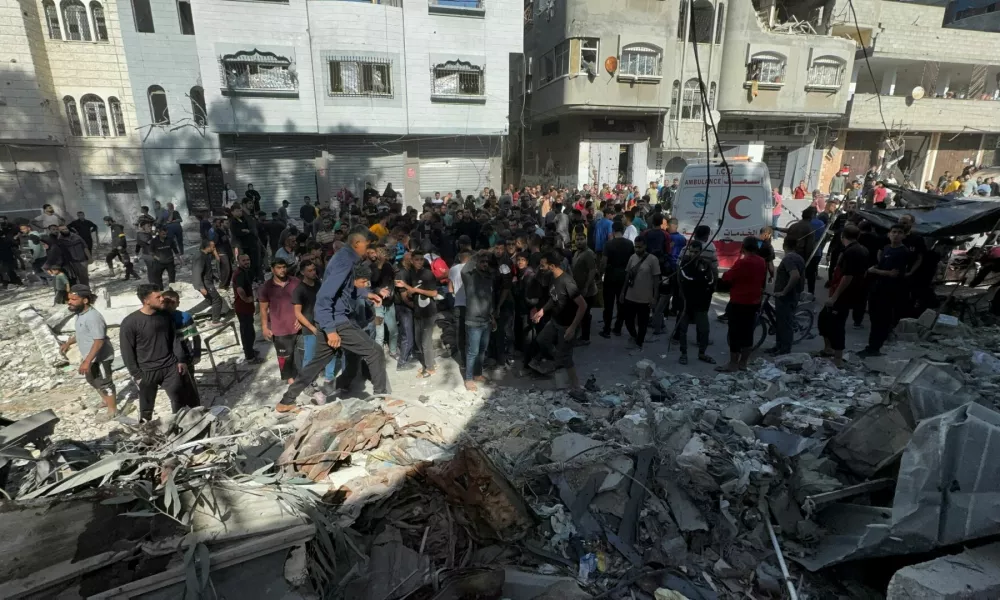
458, 78
72, 116
158, 105
640, 60
588, 55
259, 71
691, 101
825, 72
766, 67
361, 77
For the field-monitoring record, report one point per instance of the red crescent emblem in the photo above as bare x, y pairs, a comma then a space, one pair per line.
732, 207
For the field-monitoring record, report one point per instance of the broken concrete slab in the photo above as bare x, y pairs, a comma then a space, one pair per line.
571, 446
46, 343
685, 512
971, 575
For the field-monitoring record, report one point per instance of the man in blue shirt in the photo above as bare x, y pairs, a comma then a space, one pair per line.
345, 281
602, 230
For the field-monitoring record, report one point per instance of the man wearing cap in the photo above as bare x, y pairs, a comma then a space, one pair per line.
91, 336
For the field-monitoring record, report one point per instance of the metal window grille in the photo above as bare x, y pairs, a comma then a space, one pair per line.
458, 79
52, 19
640, 62
588, 55
766, 69
258, 72
77, 23
95, 116
826, 73
116, 116
354, 76
72, 116
100, 24
691, 101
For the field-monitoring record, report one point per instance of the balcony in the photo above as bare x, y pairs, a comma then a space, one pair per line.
926, 114
395, 3
468, 8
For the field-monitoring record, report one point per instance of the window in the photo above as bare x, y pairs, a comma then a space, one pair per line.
72, 117
691, 101
702, 19
52, 19
76, 21
825, 72
711, 97
259, 72
551, 128
640, 61
588, 55
117, 120
562, 58
361, 77
95, 116
184, 15
158, 105
720, 23
548, 66
766, 68
675, 98
458, 78
198, 110
143, 16
100, 25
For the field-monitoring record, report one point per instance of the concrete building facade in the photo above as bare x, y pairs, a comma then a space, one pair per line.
928, 95
610, 92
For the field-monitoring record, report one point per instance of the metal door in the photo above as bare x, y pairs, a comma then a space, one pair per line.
195, 188
277, 173
456, 164
353, 162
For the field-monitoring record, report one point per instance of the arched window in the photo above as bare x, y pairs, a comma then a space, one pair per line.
52, 20
117, 119
767, 68
95, 116
675, 98
702, 18
198, 106
640, 60
76, 21
72, 116
691, 102
825, 72
158, 105
720, 23
711, 97
143, 16
100, 24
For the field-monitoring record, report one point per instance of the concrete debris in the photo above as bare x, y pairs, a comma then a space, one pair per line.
45, 342
970, 575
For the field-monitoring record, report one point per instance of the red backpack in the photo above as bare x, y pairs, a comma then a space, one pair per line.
439, 269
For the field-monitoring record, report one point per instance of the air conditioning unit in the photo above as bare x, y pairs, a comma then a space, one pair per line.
801, 129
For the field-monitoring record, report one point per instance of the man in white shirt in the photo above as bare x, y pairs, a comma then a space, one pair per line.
228, 197
436, 200
630, 230
458, 293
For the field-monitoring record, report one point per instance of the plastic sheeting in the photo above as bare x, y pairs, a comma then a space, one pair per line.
938, 216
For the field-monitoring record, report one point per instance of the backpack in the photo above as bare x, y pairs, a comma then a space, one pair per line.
439, 269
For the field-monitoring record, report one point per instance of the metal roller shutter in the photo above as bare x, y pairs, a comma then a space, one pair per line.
23, 193
776, 160
352, 163
456, 164
277, 173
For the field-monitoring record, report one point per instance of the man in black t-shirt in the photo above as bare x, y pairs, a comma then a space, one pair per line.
244, 239
919, 278
422, 290
845, 286
119, 249
304, 303
85, 229
617, 251
384, 277
163, 250
567, 307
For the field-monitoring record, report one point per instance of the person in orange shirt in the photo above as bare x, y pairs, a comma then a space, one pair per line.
380, 228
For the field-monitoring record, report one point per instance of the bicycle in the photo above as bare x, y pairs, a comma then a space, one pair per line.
802, 321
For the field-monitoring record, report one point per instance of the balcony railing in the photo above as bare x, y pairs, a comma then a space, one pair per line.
461, 7
395, 3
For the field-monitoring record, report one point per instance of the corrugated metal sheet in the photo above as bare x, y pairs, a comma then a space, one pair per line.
283, 171
461, 163
353, 162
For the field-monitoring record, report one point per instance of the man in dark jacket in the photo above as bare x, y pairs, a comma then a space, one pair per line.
203, 278
478, 282
85, 229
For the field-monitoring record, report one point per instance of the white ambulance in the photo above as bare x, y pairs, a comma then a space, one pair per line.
748, 210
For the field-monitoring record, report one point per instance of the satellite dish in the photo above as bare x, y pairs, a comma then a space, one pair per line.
917, 93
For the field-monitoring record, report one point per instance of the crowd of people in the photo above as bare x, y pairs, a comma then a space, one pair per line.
513, 281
